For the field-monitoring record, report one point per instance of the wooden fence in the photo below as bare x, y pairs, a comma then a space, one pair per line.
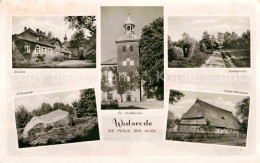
183, 136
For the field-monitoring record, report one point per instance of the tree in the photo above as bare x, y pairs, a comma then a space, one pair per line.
78, 40
88, 23
86, 105
206, 39
170, 120
243, 112
220, 38
208, 128
246, 38
22, 117
188, 45
122, 86
175, 96
151, 57
214, 43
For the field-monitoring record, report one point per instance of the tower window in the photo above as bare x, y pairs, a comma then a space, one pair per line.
131, 48
124, 48
132, 63
128, 28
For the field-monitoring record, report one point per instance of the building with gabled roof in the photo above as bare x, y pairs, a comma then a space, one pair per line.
202, 114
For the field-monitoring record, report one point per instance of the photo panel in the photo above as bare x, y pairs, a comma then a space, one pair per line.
209, 42
210, 118
56, 118
54, 41
132, 58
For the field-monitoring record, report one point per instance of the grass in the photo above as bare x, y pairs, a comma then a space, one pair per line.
64, 64
240, 58
221, 139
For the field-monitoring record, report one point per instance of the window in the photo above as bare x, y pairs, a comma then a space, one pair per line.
124, 48
37, 50
27, 49
128, 28
43, 50
50, 52
128, 79
132, 63
124, 63
131, 48
37, 38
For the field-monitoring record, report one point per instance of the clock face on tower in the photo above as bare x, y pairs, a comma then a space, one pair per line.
127, 45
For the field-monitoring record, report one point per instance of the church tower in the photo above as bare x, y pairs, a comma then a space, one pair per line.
128, 62
128, 48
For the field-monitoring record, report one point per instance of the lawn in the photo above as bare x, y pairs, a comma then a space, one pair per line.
64, 64
138, 105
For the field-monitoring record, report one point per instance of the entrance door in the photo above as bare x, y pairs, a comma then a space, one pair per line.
128, 97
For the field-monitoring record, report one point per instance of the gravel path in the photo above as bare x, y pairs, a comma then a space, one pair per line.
214, 61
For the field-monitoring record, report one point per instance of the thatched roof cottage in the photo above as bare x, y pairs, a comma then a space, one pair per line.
205, 114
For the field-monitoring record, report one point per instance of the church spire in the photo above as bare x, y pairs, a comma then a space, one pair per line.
65, 38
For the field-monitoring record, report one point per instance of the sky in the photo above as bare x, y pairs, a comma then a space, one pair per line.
196, 25
55, 24
32, 102
113, 19
224, 101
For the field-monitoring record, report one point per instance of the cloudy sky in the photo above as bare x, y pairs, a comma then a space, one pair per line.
113, 19
196, 25
224, 101
32, 102
55, 24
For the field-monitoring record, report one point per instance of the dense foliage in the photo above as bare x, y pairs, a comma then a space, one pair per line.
175, 96
88, 23
243, 112
151, 58
187, 52
22, 117
86, 105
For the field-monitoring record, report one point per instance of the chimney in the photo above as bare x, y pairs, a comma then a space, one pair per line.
25, 28
37, 30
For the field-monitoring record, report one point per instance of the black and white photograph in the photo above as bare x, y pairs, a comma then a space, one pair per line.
132, 57
210, 118
54, 41
56, 118
209, 42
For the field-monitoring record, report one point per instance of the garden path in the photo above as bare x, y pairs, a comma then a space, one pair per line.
214, 61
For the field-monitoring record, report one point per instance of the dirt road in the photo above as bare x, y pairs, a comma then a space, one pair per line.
214, 61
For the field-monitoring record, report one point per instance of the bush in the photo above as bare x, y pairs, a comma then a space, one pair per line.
58, 58
175, 53
195, 61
